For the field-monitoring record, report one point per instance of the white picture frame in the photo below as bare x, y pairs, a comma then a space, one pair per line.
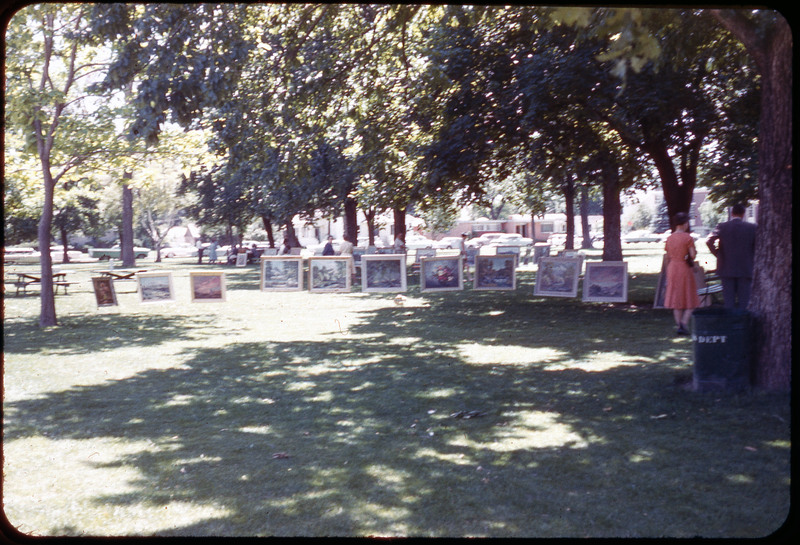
281, 273
495, 272
441, 273
329, 274
155, 287
207, 286
557, 277
383, 273
606, 282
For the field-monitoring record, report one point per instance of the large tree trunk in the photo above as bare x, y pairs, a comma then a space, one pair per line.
370, 216
586, 244
47, 314
291, 235
677, 192
612, 211
64, 253
126, 242
351, 220
569, 200
399, 222
771, 301
268, 228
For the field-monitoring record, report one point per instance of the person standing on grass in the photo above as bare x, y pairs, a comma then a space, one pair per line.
681, 293
328, 249
212, 251
733, 243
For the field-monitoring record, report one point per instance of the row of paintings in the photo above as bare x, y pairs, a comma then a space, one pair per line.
605, 281
155, 287
556, 277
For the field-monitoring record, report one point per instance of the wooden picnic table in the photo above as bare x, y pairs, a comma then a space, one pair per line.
120, 274
26, 279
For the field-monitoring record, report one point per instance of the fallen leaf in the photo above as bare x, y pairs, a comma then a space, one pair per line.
280, 455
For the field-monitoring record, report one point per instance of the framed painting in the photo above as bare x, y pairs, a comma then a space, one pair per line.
241, 259
606, 281
422, 253
329, 274
441, 273
281, 273
557, 277
495, 272
207, 286
155, 287
104, 292
503, 250
661, 285
383, 273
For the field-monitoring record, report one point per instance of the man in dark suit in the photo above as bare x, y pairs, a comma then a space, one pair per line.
734, 244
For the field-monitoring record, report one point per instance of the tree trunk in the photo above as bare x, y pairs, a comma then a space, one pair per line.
350, 220
126, 239
47, 315
677, 192
612, 211
533, 226
370, 216
291, 235
771, 300
399, 223
64, 254
268, 228
586, 244
569, 201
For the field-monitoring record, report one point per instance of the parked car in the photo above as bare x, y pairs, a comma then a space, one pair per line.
415, 241
115, 252
483, 240
57, 254
20, 255
447, 242
641, 236
180, 250
512, 239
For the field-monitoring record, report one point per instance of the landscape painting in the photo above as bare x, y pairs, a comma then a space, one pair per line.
383, 273
495, 272
557, 277
207, 286
441, 274
281, 273
155, 287
606, 281
329, 274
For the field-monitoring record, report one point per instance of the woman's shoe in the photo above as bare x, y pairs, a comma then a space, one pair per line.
681, 331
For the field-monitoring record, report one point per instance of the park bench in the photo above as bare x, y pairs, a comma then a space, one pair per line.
24, 280
713, 286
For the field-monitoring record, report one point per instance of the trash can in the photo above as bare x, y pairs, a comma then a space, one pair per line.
723, 349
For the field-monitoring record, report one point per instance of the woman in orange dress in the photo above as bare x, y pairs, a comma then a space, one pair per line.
681, 293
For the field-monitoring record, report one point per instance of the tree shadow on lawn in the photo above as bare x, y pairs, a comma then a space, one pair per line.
356, 436
90, 333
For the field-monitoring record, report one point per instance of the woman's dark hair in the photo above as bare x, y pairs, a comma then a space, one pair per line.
680, 218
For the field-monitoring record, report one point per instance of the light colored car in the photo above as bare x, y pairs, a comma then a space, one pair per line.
20, 255
447, 242
415, 241
641, 236
483, 240
57, 254
115, 251
512, 239
179, 250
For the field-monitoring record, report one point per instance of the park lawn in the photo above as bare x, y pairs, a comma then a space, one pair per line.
312, 414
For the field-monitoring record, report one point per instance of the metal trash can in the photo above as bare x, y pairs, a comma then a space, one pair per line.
723, 349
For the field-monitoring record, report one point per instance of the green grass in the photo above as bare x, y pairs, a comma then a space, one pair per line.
300, 414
